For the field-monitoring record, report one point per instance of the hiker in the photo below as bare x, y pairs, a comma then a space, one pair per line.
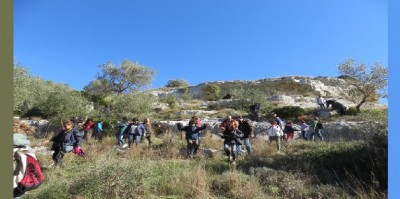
321, 102
231, 135
289, 131
120, 133
255, 110
27, 173
316, 127
225, 123
69, 139
274, 134
281, 123
192, 136
136, 131
149, 129
196, 120
75, 121
304, 129
98, 131
247, 128
88, 128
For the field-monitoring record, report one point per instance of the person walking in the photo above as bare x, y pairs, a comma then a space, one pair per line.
316, 127
231, 136
149, 129
88, 127
192, 136
68, 140
98, 131
136, 131
122, 126
247, 128
274, 134
304, 129
289, 131
321, 102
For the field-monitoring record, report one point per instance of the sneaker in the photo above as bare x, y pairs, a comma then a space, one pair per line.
124, 146
243, 151
234, 162
230, 158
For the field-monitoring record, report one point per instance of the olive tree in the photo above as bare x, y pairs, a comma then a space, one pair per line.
120, 79
369, 82
29, 91
177, 83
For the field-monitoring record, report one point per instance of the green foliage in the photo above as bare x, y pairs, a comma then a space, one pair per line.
247, 96
351, 111
177, 83
289, 112
367, 81
171, 100
125, 78
211, 92
135, 104
64, 103
36, 97
375, 115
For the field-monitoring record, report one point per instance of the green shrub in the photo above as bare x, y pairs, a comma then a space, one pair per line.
351, 111
289, 112
211, 92
177, 83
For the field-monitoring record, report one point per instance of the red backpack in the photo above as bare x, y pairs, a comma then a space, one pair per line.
33, 175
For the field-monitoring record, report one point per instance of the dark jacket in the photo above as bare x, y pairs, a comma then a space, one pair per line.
192, 133
232, 136
62, 140
289, 129
246, 128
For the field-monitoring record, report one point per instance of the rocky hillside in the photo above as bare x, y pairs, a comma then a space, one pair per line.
284, 91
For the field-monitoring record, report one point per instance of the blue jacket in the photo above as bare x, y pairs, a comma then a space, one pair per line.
98, 127
121, 128
63, 139
192, 133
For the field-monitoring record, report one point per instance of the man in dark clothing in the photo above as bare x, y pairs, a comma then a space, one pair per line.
255, 110
231, 135
66, 141
247, 129
192, 136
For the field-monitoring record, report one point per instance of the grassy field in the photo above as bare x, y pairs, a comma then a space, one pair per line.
352, 169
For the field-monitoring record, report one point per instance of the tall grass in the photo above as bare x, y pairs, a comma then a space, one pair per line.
301, 170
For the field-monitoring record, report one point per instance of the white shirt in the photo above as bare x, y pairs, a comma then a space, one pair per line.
275, 131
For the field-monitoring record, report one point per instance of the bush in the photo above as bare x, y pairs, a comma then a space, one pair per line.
177, 83
351, 111
211, 92
289, 112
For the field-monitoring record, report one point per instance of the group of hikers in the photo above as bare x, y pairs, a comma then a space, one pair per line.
235, 133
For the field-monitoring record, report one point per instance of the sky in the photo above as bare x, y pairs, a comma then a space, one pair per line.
199, 41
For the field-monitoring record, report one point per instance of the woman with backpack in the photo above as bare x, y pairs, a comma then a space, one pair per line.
69, 139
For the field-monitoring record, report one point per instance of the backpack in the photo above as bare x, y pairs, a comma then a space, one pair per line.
27, 167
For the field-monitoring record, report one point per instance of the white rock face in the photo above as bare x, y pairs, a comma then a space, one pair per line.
310, 87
